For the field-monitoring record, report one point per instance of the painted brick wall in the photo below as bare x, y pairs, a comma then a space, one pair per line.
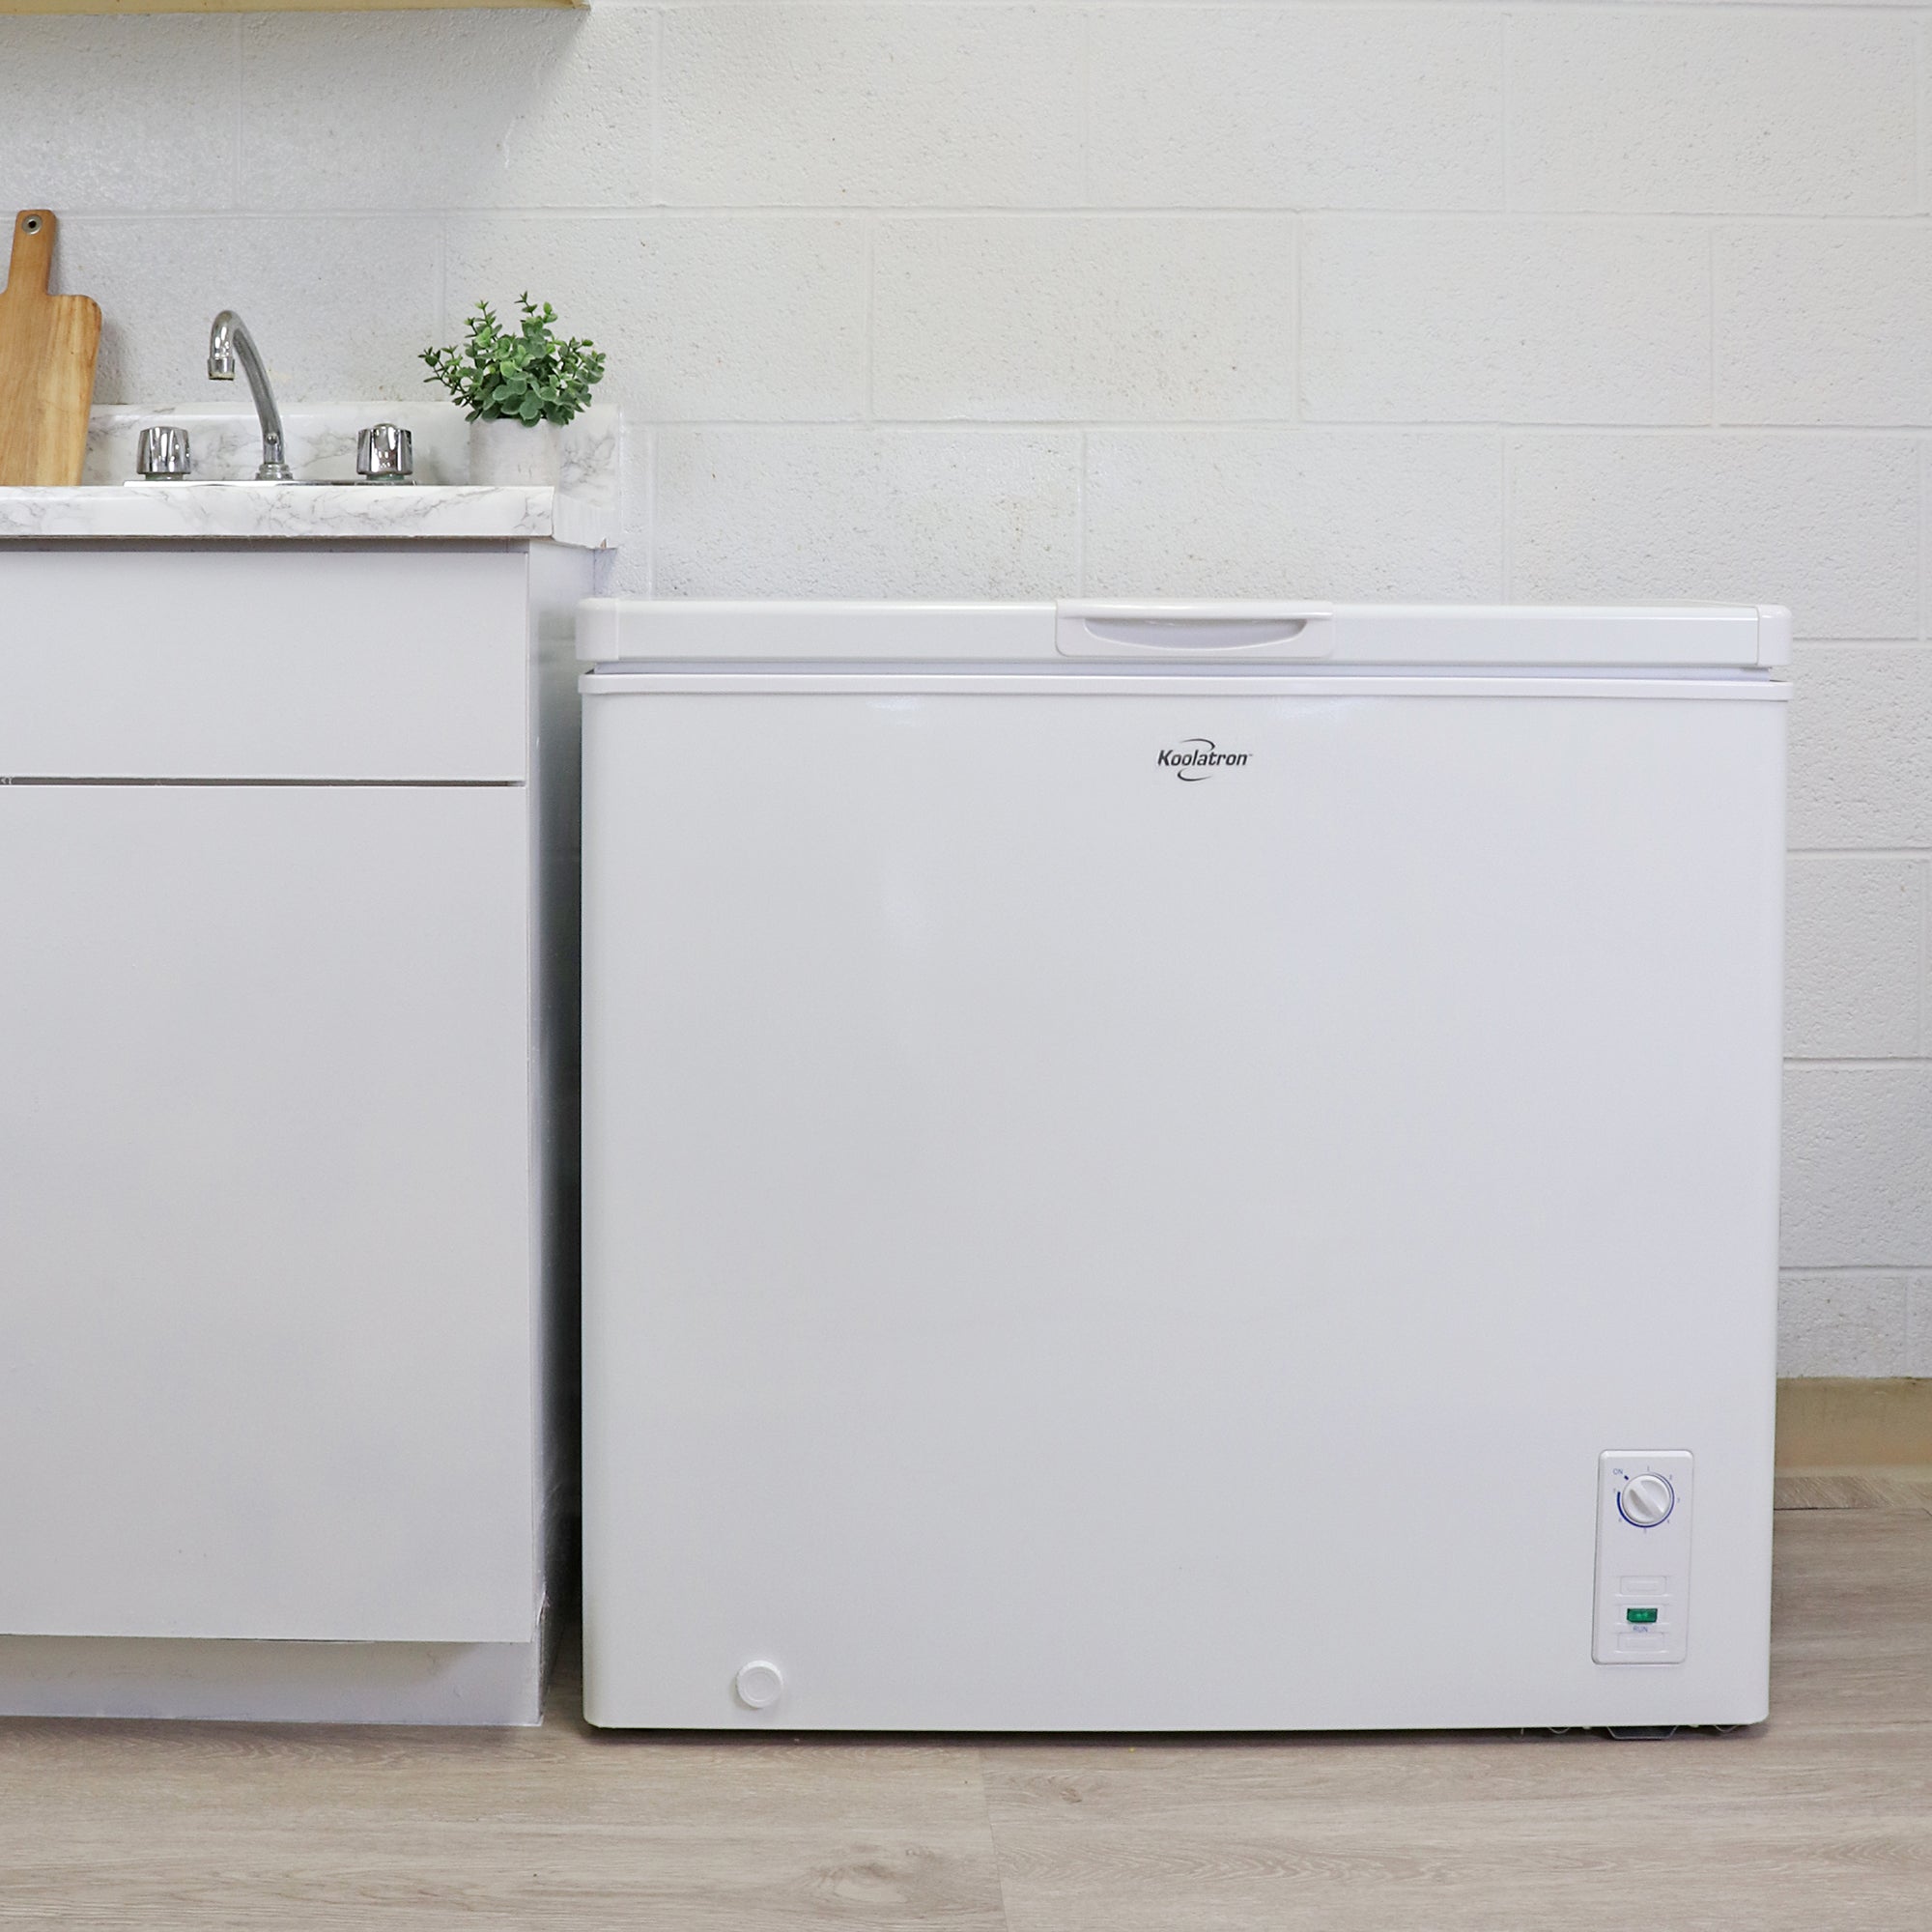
1553, 300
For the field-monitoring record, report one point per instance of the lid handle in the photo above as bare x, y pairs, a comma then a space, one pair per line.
1174, 629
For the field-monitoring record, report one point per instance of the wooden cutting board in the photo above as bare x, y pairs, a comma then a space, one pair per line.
47, 345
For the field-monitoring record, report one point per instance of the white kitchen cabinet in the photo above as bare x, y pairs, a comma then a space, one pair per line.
286, 842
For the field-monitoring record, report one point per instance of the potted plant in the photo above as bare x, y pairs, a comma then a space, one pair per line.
516, 385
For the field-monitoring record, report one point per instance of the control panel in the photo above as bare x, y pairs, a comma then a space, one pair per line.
1643, 1555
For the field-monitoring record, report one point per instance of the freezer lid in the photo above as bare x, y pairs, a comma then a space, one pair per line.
686, 631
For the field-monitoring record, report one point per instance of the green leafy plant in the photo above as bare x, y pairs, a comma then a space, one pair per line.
529, 374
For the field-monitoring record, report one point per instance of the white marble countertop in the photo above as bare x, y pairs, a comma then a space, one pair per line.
581, 510
279, 511
291, 512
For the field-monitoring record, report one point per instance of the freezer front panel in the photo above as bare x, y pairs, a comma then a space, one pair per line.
1146, 1212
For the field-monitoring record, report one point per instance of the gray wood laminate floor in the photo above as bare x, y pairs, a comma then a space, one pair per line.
1820, 1819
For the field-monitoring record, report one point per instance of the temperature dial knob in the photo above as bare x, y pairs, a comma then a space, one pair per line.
1646, 1500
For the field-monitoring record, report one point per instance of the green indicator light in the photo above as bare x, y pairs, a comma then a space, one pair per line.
1641, 1616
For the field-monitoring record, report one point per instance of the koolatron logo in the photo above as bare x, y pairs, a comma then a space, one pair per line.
1196, 759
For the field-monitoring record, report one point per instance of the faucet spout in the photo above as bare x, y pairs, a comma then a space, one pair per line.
228, 339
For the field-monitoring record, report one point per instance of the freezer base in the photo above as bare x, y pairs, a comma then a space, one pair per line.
1252, 1645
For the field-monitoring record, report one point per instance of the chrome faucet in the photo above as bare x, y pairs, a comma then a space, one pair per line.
226, 340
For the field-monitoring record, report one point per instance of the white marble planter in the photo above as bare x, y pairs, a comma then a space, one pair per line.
513, 453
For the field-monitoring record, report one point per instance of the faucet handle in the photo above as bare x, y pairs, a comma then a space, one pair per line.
384, 454
162, 451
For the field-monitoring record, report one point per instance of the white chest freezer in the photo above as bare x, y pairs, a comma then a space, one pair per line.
1157, 1166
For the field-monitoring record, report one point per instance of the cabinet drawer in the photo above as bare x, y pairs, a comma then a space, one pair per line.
262, 661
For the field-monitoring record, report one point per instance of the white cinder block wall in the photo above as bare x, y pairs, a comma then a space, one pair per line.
1435, 299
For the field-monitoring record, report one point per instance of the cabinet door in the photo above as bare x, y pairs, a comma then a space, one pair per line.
266, 1312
